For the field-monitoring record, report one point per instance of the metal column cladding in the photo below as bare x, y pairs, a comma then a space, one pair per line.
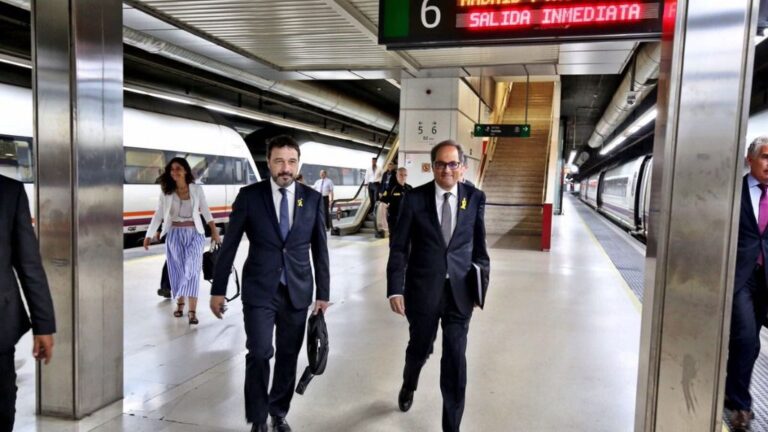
78, 79
698, 154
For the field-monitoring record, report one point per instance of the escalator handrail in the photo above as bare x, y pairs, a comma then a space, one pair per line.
362, 185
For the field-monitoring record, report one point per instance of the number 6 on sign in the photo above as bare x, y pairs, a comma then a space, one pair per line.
424, 9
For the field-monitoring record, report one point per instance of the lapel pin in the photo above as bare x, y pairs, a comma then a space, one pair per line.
300, 202
464, 203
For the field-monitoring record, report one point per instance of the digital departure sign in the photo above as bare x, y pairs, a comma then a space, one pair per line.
406, 24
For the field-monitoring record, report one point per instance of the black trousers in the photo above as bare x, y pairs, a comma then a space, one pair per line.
453, 364
373, 191
260, 322
7, 391
750, 303
327, 205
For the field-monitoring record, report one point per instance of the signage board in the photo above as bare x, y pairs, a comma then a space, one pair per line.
503, 130
407, 24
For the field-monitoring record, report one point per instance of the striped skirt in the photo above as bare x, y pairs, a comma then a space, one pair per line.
184, 252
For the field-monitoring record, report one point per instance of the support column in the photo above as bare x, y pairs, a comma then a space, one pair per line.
78, 88
696, 192
434, 110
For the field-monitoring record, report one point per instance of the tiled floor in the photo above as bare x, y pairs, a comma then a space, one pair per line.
555, 350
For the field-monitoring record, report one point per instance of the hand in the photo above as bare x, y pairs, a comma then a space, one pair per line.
42, 347
147, 240
321, 305
216, 237
397, 304
218, 305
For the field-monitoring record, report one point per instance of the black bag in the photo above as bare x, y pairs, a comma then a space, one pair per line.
317, 350
165, 283
210, 258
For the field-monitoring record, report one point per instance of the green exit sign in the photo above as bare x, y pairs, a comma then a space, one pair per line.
503, 130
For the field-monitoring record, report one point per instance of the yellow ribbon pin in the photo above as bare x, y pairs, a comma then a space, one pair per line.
300, 202
463, 203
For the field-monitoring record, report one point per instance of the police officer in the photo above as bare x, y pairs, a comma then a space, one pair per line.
394, 196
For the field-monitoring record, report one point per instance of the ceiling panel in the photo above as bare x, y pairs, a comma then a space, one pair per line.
486, 56
292, 34
589, 69
587, 57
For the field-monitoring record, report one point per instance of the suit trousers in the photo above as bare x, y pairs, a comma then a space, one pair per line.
750, 303
373, 191
288, 324
327, 206
453, 364
7, 391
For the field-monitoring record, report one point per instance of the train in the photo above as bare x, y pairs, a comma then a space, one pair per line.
622, 193
217, 154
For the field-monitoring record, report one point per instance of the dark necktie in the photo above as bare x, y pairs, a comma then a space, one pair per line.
446, 219
284, 226
762, 216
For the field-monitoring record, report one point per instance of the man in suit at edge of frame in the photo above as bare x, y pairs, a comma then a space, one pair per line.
284, 221
19, 251
440, 233
750, 293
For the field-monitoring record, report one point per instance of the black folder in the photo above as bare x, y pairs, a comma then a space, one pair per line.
478, 283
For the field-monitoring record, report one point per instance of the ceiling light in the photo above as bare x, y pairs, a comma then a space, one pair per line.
616, 141
15, 61
572, 157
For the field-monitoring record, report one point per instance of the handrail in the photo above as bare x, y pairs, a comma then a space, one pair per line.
498, 117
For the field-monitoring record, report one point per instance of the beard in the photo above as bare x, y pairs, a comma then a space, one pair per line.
283, 178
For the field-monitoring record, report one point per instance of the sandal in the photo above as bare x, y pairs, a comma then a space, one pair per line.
178, 313
192, 317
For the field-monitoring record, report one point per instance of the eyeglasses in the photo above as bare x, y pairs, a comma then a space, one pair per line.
440, 165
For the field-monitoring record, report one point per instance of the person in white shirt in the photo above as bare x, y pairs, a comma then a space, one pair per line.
324, 185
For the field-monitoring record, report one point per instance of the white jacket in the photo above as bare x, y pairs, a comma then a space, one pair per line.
163, 211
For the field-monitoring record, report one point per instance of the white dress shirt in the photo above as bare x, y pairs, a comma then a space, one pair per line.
324, 186
452, 201
370, 175
290, 195
754, 195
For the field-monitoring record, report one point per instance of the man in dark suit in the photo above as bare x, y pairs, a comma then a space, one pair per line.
750, 293
284, 221
19, 252
388, 178
440, 233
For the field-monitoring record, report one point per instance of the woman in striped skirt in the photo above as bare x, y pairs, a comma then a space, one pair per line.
179, 208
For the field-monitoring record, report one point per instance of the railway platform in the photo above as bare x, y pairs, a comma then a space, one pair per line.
555, 349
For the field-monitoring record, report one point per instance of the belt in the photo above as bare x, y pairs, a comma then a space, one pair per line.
184, 224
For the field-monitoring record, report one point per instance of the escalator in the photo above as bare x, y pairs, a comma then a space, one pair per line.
352, 215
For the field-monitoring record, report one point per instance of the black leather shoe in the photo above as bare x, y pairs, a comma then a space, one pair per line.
259, 428
405, 399
279, 424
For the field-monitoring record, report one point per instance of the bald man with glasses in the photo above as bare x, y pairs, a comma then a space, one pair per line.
440, 234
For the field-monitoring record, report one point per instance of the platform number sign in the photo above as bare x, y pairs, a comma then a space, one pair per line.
407, 24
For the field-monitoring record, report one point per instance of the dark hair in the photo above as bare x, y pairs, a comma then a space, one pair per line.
447, 143
300, 178
167, 184
282, 141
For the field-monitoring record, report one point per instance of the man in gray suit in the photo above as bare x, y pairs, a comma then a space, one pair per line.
20, 257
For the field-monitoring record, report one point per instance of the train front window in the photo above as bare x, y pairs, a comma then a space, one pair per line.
16, 158
143, 166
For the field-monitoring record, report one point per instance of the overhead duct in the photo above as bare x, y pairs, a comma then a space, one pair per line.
302, 91
629, 95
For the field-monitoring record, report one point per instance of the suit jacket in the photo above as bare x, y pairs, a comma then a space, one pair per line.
419, 258
751, 241
253, 213
19, 251
163, 211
